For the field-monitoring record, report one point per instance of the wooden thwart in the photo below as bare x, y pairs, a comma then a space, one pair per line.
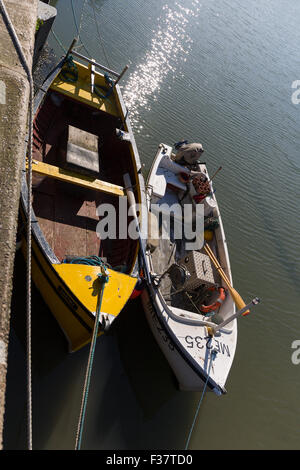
73, 178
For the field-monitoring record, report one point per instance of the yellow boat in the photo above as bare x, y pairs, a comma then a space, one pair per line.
82, 146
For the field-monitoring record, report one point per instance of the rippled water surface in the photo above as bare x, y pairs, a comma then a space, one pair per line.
219, 73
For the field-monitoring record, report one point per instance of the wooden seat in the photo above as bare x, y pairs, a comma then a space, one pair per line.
72, 177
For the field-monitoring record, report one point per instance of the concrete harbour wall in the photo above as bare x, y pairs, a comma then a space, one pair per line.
46, 16
14, 94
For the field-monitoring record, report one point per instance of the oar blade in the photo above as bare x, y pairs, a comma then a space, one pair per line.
234, 294
238, 300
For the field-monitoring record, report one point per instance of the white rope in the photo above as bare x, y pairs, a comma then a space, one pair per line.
22, 58
212, 357
78, 28
98, 32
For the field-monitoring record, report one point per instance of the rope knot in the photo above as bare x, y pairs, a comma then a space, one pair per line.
103, 276
214, 354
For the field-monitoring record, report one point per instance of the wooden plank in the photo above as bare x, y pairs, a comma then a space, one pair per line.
73, 178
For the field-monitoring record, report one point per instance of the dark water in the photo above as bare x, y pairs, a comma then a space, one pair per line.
220, 73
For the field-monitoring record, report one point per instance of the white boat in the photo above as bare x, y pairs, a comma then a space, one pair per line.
181, 279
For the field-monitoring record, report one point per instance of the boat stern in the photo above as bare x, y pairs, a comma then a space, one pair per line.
80, 287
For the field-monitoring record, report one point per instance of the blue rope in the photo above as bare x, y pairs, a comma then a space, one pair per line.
109, 81
69, 70
100, 95
212, 357
88, 260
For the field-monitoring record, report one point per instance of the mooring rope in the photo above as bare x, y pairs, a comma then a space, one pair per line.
78, 28
23, 61
103, 278
98, 32
212, 357
58, 41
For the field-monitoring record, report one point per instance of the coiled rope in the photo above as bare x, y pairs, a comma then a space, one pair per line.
103, 279
212, 357
88, 260
69, 71
25, 66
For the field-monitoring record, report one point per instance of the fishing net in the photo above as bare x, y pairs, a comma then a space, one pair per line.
201, 184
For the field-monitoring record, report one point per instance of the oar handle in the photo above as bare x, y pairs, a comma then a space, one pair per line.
121, 74
130, 195
217, 264
132, 204
71, 47
220, 168
254, 302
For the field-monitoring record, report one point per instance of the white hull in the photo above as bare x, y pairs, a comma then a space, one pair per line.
182, 334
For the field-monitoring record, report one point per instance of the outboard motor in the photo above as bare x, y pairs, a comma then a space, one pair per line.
179, 275
188, 154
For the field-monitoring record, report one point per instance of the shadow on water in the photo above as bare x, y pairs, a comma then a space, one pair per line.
145, 366
48, 349
131, 380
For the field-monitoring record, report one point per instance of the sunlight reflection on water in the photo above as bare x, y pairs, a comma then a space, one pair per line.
170, 44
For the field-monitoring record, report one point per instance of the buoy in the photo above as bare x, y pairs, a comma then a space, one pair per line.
138, 289
208, 235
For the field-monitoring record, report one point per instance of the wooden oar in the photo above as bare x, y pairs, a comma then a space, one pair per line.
215, 174
132, 204
234, 294
216, 262
212, 330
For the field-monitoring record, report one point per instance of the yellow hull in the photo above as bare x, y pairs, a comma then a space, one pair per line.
71, 293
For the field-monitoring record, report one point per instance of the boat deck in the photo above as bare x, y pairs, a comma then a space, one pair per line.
66, 212
64, 217
171, 255
163, 257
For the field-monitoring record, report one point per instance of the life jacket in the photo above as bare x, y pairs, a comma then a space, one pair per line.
217, 303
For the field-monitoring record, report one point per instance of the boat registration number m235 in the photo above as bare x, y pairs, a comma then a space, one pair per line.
200, 343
